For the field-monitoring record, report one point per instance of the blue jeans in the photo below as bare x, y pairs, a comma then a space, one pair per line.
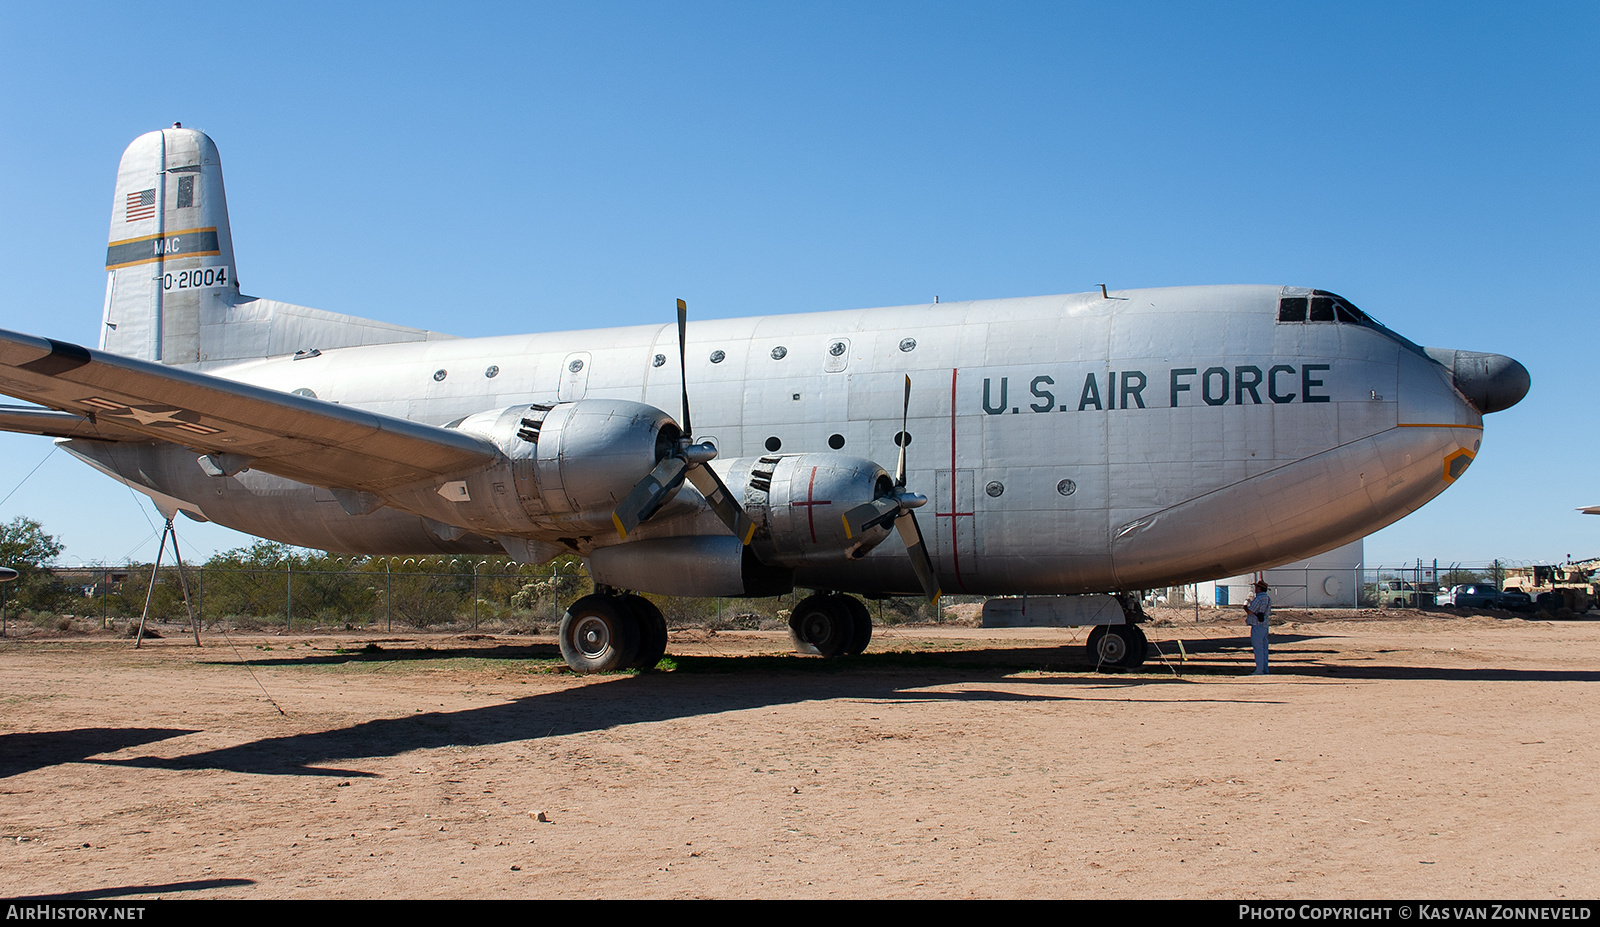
1258, 643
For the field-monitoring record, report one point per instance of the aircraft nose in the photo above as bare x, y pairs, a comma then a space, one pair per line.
1490, 382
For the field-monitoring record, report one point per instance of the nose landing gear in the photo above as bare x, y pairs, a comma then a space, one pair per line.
1120, 646
1117, 646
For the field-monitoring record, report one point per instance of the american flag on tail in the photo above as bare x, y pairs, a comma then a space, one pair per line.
141, 205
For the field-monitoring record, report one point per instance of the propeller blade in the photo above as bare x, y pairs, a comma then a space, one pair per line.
647, 495
911, 534
683, 362
869, 515
721, 501
905, 438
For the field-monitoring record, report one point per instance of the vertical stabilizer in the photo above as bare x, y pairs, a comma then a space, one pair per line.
170, 254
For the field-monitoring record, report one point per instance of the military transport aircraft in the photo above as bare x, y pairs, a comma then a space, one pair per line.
1054, 445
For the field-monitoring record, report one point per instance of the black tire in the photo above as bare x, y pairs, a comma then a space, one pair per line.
599, 634
1117, 646
822, 625
1092, 645
1140, 648
861, 634
652, 631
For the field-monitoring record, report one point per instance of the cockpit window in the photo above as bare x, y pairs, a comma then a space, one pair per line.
1305, 306
1300, 305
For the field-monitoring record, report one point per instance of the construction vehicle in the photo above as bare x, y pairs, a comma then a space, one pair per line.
1568, 585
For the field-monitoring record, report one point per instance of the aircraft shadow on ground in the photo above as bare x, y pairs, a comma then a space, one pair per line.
1440, 673
123, 891
1211, 645
373, 653
1301, 661
699, 686
710, 685
25, 751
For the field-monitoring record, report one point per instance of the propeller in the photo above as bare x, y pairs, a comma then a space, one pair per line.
685, 460
896, 506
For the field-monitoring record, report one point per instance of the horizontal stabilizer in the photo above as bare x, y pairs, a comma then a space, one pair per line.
309, 440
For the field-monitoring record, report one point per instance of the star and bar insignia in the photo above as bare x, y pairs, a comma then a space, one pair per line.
156, 416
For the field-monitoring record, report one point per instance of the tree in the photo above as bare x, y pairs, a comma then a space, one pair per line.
247, 581
26, 548
1459, 577
24, 545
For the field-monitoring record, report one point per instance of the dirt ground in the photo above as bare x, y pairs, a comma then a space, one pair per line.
1411, 757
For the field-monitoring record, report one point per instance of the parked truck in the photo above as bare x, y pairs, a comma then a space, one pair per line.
1555, 586
1399, 593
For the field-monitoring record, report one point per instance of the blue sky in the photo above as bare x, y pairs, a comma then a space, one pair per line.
495, 168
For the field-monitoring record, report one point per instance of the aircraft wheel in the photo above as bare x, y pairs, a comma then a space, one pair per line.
652, 631
822, 625
599, 634
861, 634
1093, 643
1141, 647
1120, 646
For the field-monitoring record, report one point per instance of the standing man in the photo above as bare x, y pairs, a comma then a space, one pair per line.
1257, 615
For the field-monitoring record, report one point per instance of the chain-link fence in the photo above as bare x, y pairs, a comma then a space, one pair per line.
331, 592
1413, 584
385, 593
307, 591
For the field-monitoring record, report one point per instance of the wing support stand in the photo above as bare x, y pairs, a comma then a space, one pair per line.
183, 581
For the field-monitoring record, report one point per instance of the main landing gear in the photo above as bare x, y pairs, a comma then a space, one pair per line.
609, 631
830, 625
1120, 646
604, 632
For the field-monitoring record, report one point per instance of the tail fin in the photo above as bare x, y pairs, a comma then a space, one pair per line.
172, 293
170, 251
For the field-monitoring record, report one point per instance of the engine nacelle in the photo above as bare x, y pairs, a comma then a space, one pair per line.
798, 502
565, 468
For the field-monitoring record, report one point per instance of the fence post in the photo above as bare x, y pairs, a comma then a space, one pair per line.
388, 594
288, 587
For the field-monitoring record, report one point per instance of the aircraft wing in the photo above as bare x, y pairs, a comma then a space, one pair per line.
32, 420
310, 440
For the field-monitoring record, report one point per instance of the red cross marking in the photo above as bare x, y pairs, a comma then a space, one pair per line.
811, 503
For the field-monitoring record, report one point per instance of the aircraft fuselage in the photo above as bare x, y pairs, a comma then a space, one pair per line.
1067, 444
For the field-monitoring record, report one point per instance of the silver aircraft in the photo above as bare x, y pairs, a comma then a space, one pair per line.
1052, 445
